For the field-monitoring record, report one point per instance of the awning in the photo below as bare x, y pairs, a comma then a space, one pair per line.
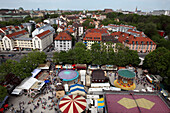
16, 91
72, 104
100, 102
35, 72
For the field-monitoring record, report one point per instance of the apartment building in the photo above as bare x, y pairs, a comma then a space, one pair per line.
94, 35
63, 42
9, 41
42, 40
139, 43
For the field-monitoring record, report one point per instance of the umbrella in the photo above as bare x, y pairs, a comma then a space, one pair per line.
1, 110
6, 105
46, 81
72, 104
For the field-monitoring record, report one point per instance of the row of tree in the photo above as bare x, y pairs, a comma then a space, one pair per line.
23, 68
99, 54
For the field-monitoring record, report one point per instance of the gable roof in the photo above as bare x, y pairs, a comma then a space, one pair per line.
102, 31
93, 36
140, 40
17, 34
70, 29
44, 34
63, 36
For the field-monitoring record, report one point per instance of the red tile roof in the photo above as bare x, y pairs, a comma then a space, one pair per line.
93, 36
43, 34
102, 31
127, 38
139, 40
63, 36
70, 29
17, 34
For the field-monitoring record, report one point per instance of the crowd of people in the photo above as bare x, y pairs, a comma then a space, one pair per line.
44, 102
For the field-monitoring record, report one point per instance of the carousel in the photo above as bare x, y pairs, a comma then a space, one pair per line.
68, 76
125, 79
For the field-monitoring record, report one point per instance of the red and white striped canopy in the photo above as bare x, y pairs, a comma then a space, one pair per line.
72, 104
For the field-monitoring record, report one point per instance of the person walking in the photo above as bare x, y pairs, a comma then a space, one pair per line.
30, 110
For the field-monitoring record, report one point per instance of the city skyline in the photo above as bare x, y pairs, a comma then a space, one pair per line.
144, 5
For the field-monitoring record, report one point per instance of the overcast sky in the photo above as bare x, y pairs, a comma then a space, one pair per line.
144, 5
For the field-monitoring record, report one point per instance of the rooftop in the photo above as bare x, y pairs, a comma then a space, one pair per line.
63, 36
124, 102
126, 73
43, 34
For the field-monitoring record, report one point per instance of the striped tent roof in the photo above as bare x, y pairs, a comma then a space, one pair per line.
77, 89
72, 104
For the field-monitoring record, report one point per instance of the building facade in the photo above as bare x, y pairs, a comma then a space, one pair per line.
9, 40
63, 42
42, 40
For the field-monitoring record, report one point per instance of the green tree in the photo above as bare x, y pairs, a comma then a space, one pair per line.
133, 58
96, 53
158, 62
63, 57
80, 45
3, 93
56, 57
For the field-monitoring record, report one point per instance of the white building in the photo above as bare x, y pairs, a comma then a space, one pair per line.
63, 42
42, 29
79, 29
9, 40
42, 40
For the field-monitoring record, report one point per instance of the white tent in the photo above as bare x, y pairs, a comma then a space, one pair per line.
83, 76
27, 83
17, 91
35, 72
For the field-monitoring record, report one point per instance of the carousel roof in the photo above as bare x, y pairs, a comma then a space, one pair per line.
126, 73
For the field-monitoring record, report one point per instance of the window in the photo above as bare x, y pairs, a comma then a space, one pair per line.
136, 44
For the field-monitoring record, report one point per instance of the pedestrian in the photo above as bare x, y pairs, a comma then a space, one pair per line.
38, 104
30, 110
